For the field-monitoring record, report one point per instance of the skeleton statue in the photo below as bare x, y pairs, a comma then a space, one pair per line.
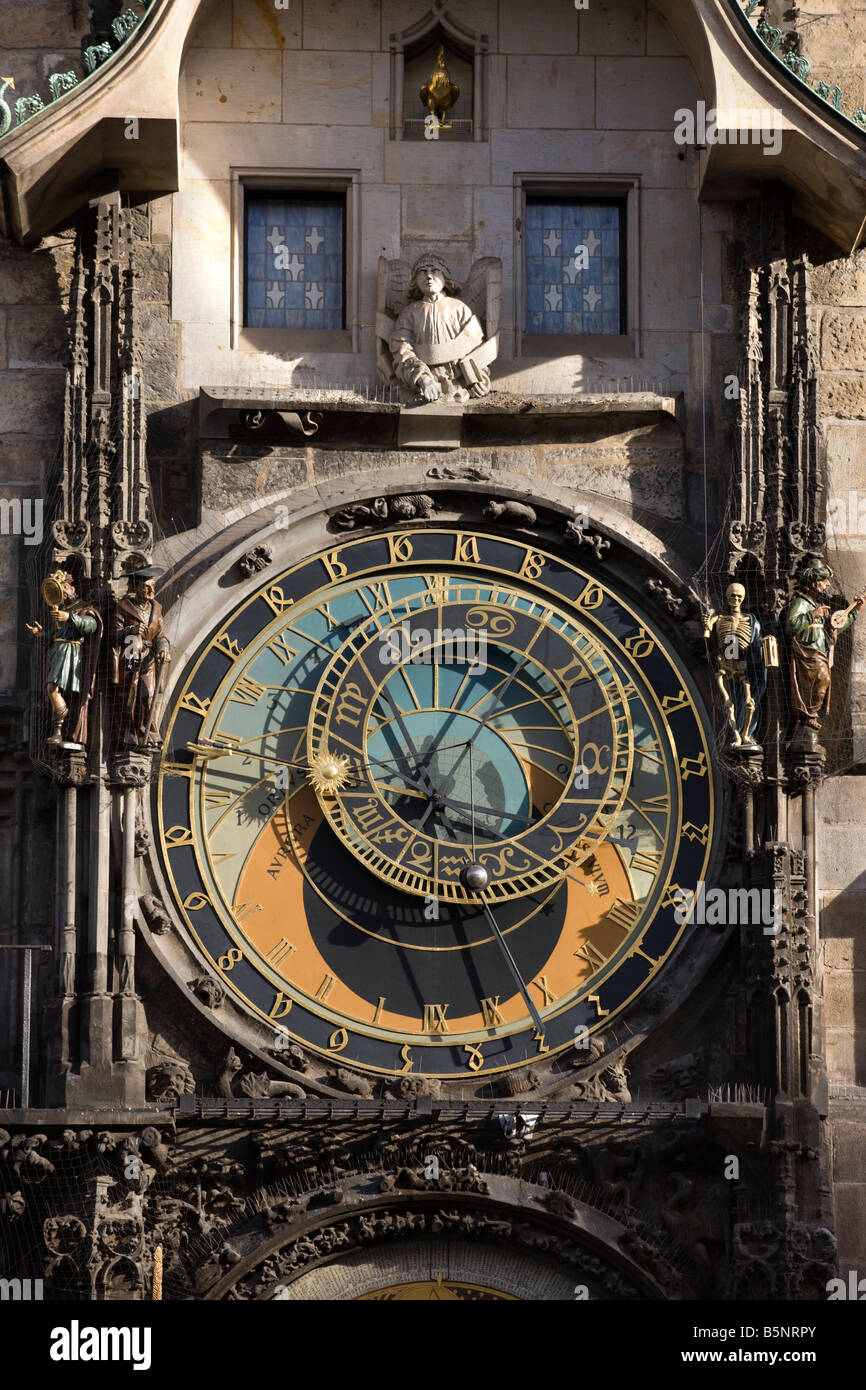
739, 657
429, 339
73, 655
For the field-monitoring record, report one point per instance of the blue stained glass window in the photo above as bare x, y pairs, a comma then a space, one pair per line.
575, 265
295, 263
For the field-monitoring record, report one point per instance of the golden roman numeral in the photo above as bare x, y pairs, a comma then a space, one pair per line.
379, 1007
648, 861
623, 914
196, 704
277, 954
546, 996
434, 1018
381, 595
591, 954
651, 750
280, 647
639, 951
491, 1011
662, 802
325, 988
177, 769
247, 692
244, 910
217, 798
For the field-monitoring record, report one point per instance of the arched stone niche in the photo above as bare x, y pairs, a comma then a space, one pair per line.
497, 1235
432, 1271
413, 58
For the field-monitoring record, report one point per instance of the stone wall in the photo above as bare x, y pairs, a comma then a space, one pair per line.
589, 93
832, 35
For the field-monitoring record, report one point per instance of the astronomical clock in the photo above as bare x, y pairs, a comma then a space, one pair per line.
434, 802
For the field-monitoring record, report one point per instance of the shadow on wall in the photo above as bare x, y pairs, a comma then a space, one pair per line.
844, 937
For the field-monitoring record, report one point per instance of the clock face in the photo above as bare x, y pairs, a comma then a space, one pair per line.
381, 716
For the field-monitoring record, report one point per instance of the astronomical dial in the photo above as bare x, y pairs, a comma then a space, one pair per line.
379, 717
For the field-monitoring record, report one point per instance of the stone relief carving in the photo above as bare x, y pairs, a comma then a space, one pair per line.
593, 540
255, 560
208, 990
155, 914
431, 340
233, 1078
408, 507
510, 513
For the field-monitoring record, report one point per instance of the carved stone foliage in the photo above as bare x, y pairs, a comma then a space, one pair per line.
255, 560
769, 1263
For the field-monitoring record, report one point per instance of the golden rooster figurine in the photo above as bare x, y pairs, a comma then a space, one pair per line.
440, 93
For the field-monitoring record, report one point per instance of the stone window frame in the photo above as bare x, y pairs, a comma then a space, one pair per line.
277, 340
540, 346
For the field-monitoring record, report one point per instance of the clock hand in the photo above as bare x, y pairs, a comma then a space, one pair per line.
475, 879
512, 966
398, 715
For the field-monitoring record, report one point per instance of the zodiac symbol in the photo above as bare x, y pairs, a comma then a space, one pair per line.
350, 705
502, 861
598, 750
497, 624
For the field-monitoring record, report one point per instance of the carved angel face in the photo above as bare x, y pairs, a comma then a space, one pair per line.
430, 282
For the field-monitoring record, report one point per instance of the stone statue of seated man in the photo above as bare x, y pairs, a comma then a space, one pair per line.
438, 346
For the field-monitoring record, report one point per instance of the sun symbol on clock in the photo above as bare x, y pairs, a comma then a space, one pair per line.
329, 773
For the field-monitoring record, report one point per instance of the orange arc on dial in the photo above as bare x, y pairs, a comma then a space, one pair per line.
274, 880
